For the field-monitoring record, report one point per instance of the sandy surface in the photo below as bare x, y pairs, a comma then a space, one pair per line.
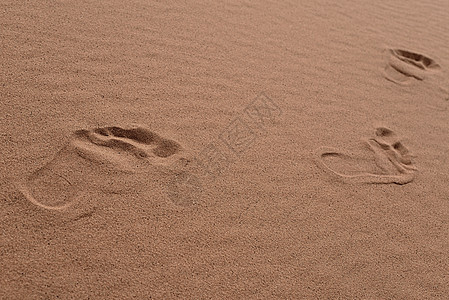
252, 150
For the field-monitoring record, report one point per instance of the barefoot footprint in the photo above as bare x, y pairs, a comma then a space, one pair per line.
93, 155
404, 66
392, 160
133, 149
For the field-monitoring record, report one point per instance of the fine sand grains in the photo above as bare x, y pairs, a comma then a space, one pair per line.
224, 149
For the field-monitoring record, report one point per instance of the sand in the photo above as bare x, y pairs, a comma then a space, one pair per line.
238, 150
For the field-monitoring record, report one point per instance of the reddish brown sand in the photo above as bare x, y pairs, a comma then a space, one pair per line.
247, 150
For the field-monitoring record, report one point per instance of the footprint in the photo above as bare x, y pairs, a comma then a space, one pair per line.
131, 149
405, 66
393, 147
391, 163
93, 159
418, 60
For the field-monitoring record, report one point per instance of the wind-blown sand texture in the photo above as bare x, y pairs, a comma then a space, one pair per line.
224, 149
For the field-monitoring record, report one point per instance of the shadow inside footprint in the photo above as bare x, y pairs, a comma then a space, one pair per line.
391, 161
404, 66
131, 149
137, 134
415, 59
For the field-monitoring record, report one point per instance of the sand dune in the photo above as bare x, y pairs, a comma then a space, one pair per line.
224, 150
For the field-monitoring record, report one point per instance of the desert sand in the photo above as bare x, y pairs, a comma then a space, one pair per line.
237, 150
